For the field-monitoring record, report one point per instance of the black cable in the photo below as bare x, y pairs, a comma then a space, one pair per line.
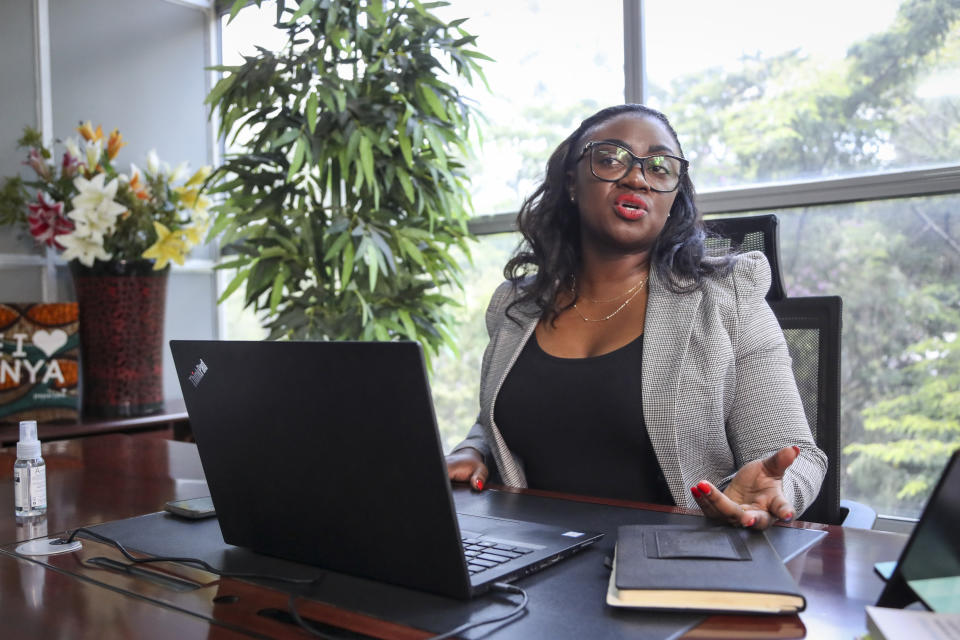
191, 561
292, 606
208, 567
502, 587
496, 586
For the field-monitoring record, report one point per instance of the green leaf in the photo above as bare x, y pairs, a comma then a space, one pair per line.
436, 144
299, 151
412, 250
234, 284
306, 6
405, 183
433, 102
235, 9
404, 143
277, 293
347, 270
366, 158
312, 112
370, 258
408, 325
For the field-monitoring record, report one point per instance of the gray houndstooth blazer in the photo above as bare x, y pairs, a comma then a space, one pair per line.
718, 387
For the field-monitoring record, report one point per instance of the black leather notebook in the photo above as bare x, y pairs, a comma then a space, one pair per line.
717, 569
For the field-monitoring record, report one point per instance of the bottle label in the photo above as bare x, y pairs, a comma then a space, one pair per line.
38, 487
30, 488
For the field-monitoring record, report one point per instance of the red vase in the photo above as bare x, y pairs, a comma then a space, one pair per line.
122, 306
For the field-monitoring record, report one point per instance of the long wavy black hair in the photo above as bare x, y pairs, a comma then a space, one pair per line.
550, 224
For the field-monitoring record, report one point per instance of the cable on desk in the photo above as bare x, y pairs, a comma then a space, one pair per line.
191, 561
502, 587
496, 586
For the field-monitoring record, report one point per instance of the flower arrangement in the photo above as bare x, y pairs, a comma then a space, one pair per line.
83, 207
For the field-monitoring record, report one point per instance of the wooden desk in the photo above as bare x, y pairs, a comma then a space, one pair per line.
170, 422
105, 478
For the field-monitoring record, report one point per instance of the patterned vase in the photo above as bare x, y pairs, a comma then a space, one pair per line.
122, 306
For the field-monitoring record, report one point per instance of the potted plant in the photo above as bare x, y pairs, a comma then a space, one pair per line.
347, 200
119, 232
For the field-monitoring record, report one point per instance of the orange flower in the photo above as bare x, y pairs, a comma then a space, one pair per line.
137, 185
86, 130
114, 143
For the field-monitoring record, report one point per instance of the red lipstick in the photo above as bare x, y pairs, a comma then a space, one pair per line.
631, 206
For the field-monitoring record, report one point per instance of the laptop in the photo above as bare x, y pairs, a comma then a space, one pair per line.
929, 565
327, 453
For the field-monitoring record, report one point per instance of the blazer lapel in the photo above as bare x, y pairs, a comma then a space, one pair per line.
667, 329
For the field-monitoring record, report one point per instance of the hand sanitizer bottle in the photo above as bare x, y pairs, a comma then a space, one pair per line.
29, 474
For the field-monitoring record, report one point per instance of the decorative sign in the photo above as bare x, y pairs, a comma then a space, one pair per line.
38, 362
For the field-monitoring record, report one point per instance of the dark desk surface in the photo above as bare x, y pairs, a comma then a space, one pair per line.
172, 420
105, 478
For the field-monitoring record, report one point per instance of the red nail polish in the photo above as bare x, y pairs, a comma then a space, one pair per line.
479, 485
704, 487
695, 492
752, 522
797, 449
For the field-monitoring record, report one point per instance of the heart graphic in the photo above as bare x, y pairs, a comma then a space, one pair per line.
49, 342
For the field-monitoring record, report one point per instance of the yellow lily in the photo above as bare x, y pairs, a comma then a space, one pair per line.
195, 232
192, 199
114, 143
169, 246
86, 130
197, 178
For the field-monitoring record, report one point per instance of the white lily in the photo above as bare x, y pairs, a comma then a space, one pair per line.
86, 249
153, 163
72, 147
94, 206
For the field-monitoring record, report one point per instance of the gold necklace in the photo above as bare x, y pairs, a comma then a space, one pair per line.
617, 310
625, 293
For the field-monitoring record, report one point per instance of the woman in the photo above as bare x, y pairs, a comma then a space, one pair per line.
625, 363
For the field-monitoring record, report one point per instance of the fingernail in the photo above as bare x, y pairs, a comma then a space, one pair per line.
789, 517
797, 449
752, 522
479, 484
695, 492
704, 487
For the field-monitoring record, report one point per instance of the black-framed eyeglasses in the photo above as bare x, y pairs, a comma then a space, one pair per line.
610, 162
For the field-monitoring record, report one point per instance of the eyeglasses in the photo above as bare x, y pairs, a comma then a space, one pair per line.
610, 162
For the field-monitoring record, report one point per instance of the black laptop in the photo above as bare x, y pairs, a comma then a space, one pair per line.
327, 453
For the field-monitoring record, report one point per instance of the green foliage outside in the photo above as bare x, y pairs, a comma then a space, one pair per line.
347, 203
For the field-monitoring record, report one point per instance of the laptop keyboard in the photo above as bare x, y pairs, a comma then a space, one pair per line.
483, 554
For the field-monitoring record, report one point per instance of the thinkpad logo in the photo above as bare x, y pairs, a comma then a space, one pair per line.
198, 372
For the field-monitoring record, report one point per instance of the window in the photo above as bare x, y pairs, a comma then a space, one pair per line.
827, 113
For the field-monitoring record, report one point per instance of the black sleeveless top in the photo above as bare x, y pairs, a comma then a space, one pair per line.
577, 424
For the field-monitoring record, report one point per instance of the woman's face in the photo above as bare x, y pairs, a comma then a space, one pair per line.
625, 216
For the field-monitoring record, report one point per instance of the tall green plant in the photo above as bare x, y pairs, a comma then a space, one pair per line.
349, 195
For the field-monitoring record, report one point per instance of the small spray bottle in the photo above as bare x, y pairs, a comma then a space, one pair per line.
29, 474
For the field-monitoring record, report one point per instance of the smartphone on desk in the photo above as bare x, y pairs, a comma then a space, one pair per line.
194, 508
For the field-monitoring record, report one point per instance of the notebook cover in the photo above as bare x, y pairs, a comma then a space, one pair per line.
683, 558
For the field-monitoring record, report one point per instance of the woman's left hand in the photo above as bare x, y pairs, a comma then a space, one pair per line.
754, 498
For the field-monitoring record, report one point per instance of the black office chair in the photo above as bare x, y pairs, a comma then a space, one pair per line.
812, 327
751, 233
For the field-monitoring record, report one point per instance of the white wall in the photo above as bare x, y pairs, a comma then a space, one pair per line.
137, 65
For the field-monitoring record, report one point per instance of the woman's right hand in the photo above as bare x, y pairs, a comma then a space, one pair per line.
467, 465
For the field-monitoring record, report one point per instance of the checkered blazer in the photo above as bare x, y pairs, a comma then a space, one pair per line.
718, 387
